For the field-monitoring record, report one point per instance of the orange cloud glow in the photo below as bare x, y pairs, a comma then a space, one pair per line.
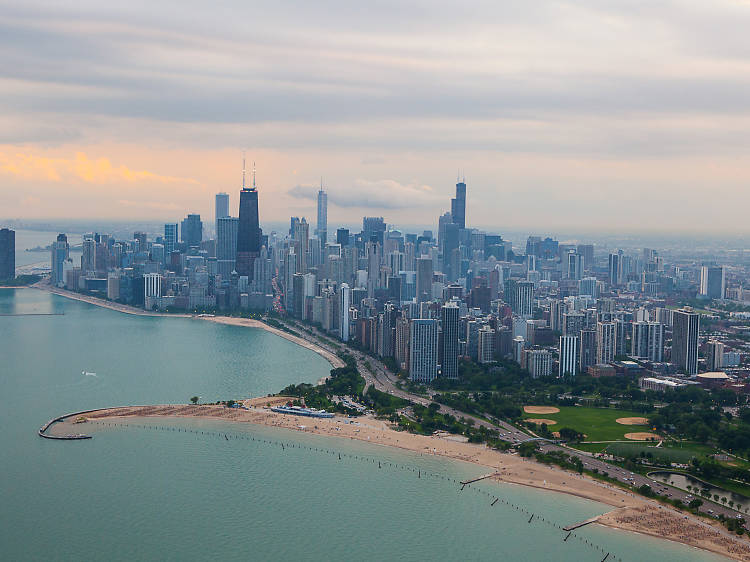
80, 168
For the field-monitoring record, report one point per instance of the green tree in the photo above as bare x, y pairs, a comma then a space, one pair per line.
194, 399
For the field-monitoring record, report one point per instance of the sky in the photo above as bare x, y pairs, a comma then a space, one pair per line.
589, 115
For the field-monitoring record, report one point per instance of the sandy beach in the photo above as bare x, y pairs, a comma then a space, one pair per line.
335, 361
633, 513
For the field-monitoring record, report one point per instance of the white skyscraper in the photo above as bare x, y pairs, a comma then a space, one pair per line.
568, 355
345, 300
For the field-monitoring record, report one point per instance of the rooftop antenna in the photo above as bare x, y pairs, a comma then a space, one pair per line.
254, 175
321, 183
243, 169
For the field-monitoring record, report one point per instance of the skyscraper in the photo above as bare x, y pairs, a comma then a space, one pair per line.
605, 342
424, 279
587, 346
170, 237
713, 282
60, 253
714, 355
248, 230
685, 328
458, 205
450, 326
301, 244
226, 244
615, 268
322, 224
423, 350
7, 254
568, 355
221, 207
192, 230
647, 341
345, 297
522, 298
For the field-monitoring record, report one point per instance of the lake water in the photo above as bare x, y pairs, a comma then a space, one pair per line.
26, 239
194, 489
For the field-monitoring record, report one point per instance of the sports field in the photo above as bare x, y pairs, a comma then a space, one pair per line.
598, 424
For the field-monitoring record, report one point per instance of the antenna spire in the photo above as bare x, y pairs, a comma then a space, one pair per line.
243, 169
254, 175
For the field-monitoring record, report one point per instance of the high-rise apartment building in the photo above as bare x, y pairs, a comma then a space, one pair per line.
647, 341
568, 360
685, 328
538, 362
423, 350
449, 339
60, 253
714, 355
606, 346
301, 244
7, 254
615, 269
574, 266
485, 344
345, 297
713, 283
587, 350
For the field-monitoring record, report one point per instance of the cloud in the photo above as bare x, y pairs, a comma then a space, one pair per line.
80, 168
377, 194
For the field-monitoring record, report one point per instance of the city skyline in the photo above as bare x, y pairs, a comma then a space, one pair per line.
567, 111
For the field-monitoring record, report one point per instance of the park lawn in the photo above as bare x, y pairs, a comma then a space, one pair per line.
598, 424
663, 454
589, 447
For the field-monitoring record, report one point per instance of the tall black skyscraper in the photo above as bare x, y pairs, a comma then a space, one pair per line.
458, 205
248, 232
7, 254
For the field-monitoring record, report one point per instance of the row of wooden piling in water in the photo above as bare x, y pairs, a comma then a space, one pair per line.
494, 499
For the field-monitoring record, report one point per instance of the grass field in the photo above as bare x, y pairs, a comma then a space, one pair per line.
663, 454
598, 424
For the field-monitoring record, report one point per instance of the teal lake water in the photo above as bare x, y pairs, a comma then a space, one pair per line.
181, 490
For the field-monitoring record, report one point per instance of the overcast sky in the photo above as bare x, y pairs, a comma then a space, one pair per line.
576, 115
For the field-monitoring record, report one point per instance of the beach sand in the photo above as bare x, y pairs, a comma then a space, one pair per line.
634, 513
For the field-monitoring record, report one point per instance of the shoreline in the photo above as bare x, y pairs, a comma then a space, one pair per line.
632, 513
335, 361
